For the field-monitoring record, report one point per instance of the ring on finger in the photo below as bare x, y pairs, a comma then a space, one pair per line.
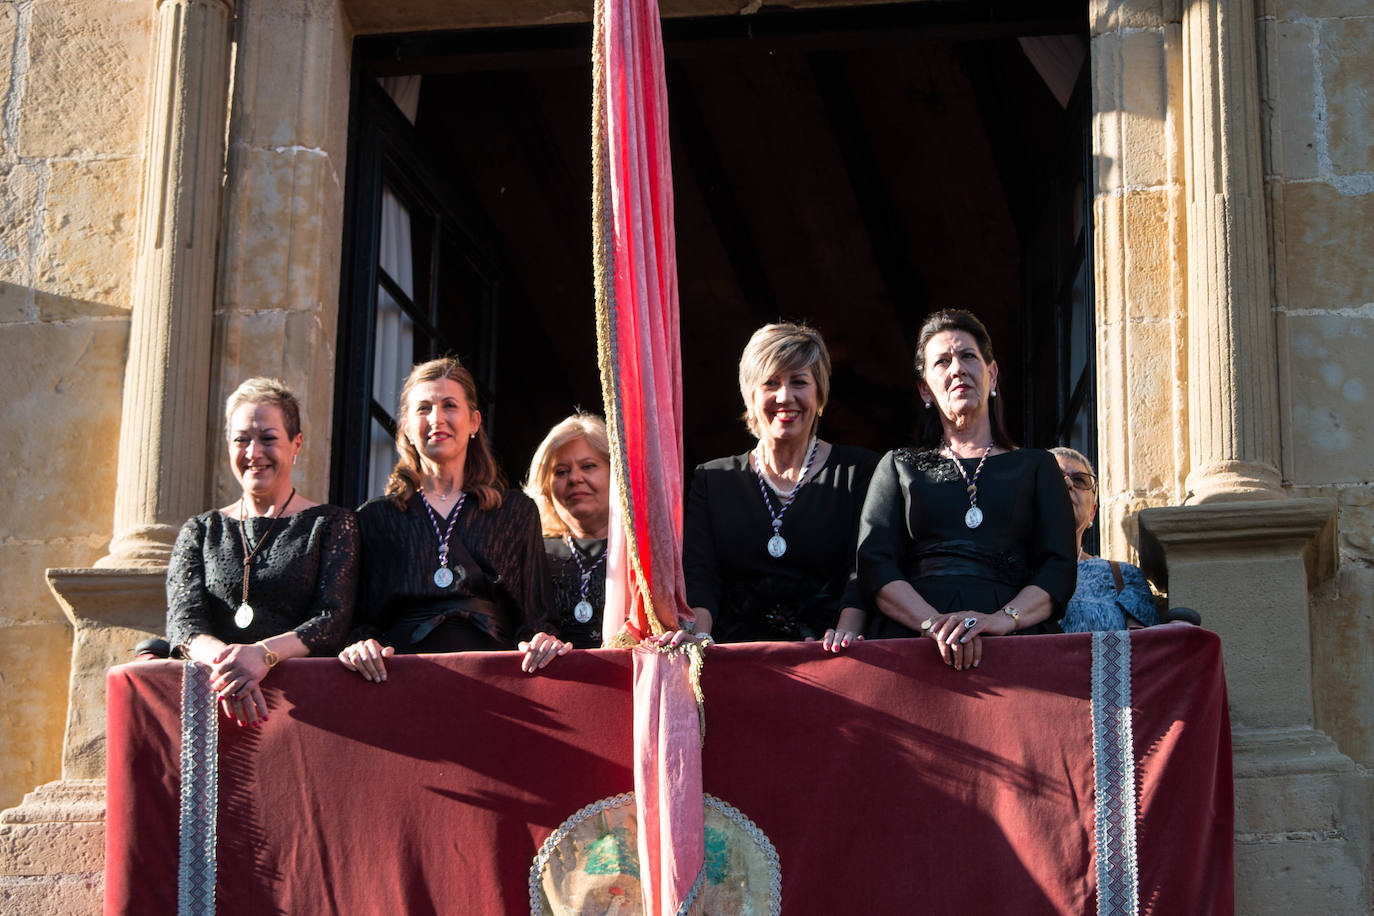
970, 623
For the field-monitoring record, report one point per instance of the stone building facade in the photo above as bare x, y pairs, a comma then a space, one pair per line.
172, 189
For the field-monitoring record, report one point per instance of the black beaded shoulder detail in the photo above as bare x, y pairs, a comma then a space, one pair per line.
929, 462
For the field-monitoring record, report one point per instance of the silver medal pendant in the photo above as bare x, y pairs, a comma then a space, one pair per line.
443, 577
973, 517
777, 546
243, 616
582, 613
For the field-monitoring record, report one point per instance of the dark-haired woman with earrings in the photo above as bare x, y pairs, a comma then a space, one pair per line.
965, 535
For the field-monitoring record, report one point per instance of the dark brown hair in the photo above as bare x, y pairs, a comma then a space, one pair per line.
929, 431
481, 475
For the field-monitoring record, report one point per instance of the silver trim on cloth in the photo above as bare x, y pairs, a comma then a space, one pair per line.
1118, 886
199, 793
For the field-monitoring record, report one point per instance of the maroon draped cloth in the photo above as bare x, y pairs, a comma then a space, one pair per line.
887, 782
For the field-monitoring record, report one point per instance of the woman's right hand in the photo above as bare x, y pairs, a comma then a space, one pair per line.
366, 657
960, 647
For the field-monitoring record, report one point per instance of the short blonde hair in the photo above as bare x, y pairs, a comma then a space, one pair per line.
539, 482
778, 348
1063, 451
263, 390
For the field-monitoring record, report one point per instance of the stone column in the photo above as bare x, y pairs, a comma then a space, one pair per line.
161, 478
1232, 360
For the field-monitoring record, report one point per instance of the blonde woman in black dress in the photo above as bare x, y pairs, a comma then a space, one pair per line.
570, 481
270, 576
965, 536
768, 543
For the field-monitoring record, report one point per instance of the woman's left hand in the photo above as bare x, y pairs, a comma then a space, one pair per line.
238, 668
960, 636
249, 707
540, 650
839, 638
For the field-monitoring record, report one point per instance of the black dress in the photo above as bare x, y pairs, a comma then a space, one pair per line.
567, 587
752, 595
303, 578
913, 529
500, 593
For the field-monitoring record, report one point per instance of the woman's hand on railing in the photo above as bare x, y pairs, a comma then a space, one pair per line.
540, 649
367, 658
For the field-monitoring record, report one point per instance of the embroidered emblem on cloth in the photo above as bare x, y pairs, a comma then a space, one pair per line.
590, 864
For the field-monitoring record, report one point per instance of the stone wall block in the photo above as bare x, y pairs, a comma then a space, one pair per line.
1130, 100
1315, 9
282, 235
85, 87
1343, 653
1317, 874
61, 896
33, 694
1329, 250
1144, 98
1153, 285
1108, 15
1348, 86
1333, 396
25, 598
72, 371
9, 17
88, 229
291, 78
1289, 105
1356, 508
19, 212
1148, 386
53, 849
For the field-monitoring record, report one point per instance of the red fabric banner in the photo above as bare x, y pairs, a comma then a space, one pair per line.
887, 782
637, 322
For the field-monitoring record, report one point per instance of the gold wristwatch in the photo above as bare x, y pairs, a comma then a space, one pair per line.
269, 657
1015, 615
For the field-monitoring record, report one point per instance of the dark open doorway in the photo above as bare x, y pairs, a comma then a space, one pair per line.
856, 168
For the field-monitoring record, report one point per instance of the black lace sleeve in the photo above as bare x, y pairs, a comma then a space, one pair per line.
336, 584
188, 602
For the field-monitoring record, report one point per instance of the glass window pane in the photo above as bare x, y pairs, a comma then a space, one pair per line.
393, 350
381, 458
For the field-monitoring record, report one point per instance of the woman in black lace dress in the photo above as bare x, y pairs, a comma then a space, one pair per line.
570, 482
451, 561
294, 595
768, 542
966, 535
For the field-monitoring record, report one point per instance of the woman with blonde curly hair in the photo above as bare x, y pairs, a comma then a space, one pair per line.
570, 482
451, 560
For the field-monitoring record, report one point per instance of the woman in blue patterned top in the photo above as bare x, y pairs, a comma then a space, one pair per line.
1110, 595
